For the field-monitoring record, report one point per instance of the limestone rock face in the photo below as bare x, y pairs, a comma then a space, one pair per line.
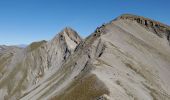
122, 60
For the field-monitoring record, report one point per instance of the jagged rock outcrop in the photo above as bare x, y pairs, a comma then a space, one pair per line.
126, 59
156, 27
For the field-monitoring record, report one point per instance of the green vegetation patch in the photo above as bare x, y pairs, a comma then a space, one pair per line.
33, 46
89, 88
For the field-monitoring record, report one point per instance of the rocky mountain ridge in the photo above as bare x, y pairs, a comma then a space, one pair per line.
156, 27
125, 59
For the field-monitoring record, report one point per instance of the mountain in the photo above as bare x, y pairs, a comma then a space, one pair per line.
22, 45
125, 59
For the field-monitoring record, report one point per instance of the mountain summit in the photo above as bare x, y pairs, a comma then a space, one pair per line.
70, 36
156, 27
125, 59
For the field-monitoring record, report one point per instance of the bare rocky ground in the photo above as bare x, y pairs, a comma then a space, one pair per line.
125, 59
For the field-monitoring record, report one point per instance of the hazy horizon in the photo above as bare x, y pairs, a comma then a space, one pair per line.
23, 22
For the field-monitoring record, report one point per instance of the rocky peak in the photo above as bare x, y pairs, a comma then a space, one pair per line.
143, 20
158, 28
69, 36
72, 34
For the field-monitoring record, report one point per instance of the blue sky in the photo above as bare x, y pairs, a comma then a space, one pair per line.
25, 21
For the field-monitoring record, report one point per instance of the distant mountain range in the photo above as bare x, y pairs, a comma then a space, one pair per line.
125, 59
22, 45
